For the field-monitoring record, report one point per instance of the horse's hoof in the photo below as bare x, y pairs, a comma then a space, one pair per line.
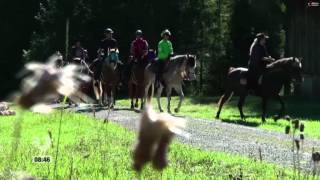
136, 105
169, 111
132, 107
176, 110
276, 118
161, 110
287, 117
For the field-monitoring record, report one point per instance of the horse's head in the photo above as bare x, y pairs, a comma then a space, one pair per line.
191, 67
295, 69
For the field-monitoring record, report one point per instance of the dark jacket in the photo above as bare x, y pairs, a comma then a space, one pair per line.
256, 62
107, 44
78, 52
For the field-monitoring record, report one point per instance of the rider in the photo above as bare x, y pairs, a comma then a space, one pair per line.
165, 51
78, 52
106, 45
139, 47
259, 58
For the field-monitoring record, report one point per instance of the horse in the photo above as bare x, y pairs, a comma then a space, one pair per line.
136, 79
179, 68
276, 75
136, 83
105, 86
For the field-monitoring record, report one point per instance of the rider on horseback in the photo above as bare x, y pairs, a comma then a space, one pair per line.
138, 52
165, 51
108, 49
259, 58
78, 53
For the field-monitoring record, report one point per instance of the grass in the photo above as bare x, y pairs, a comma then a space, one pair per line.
206, 108
90, 149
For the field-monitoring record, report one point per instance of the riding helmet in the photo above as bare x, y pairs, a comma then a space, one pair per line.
108, 30
166, 32
261, 36
139, 32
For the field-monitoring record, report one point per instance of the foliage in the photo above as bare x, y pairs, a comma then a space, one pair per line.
219, 32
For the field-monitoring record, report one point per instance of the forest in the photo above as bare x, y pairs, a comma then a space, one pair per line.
219, 32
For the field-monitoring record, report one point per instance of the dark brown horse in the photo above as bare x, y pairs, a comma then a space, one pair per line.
136, 83
105, 86
277, 74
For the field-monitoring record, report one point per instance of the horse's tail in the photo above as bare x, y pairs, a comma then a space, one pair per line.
228, 95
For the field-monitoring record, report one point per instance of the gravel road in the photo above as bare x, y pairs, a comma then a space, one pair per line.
227, 137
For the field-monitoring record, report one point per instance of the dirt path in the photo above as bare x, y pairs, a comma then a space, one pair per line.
227, 137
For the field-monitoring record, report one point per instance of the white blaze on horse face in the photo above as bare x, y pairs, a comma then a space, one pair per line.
297, 63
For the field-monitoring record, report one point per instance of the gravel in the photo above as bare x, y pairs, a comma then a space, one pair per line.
227, 137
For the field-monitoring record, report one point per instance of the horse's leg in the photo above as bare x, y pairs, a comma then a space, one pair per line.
146, 91
282, 110
168, 92
136, 96
95, 85
159, 91
105, 96
221, 102
152, 93
112, 97
141, 95
181, 96
131, 94
240, 105
101, 92
264, 109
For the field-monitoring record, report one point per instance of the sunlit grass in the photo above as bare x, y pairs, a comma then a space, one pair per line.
91, 149
206, 108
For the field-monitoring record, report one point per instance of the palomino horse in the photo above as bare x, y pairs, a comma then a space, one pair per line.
179, 68
277, 74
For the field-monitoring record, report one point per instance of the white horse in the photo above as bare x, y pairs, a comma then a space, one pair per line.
179, 68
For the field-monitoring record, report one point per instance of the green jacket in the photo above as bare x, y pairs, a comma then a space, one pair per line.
164, 49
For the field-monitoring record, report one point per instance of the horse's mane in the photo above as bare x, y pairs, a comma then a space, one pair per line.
178, 57
280, 63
